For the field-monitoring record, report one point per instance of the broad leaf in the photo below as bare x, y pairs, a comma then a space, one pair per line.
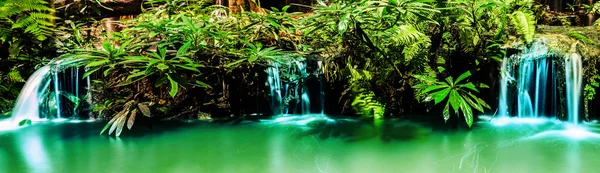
174, 86
468, 113
109, 124
131, 119
144, 109
343, 25
162, 66
454, 100
462, 77
446, 112
441, 95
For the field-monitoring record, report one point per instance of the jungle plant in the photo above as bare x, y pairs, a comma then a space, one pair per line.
255, 52
33, 17
127, 115
458, 95
168, 68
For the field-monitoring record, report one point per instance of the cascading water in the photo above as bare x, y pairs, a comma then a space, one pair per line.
321, 71
573, 70
305, 100
504, 79
275, 87
295, 92
537, 83
36, 94
27, 105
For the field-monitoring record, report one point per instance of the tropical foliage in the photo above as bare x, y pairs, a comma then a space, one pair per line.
458, 95
186, 58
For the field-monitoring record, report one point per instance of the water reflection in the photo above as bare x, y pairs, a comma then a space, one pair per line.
343, 146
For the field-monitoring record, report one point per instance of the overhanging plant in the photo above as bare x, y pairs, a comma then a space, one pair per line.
458, 95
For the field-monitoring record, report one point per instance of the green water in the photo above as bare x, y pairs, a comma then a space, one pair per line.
269, 147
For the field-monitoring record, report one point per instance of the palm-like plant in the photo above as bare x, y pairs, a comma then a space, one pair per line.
458, 95
168, 68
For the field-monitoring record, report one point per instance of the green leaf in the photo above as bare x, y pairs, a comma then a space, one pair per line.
174, 86
462, 77
468, 113
96, 63
441, 95
107, 46
284, 9
524, 22
343, 25
162, 66
202, 84
252, 58
482, 85
473, 104
187, 68
273, 23
446, 112
454, 100
470, 86
235, 62
183, 50
25, 122
433, 88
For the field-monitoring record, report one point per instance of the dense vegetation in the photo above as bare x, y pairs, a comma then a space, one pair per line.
192, 58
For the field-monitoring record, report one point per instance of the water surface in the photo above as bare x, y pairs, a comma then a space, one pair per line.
341, 146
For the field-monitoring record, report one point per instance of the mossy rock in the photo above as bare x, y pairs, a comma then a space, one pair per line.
560, 39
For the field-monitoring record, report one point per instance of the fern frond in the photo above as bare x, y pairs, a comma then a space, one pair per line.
524, 23
34, 16
406, 34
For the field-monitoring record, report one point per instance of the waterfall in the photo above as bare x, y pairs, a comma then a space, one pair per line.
275, 88
537, 84
505, 77
305, 100
523, 97
321, 71
532, 86
573, 70
295, 93
30, 97
57, 95
33, 98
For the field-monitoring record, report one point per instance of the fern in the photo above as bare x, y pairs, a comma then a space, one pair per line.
524, 23
582, 38
32, 16
365, 105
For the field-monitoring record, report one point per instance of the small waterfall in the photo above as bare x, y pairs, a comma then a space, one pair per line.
275, 86
532, 86
33, 104
541, 79
321, 71
523, 97
505, 77
305, 100
27, 104
57, 95
294, 95
573, 70
538, 88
